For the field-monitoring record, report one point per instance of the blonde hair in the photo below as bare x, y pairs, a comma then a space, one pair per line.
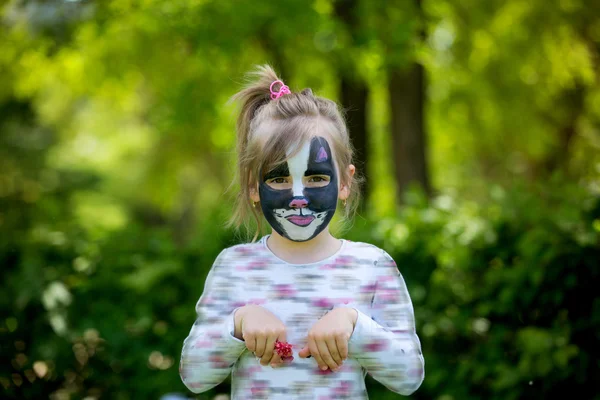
265, 130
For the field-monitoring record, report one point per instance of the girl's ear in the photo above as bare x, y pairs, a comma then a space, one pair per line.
345, 187
254, 194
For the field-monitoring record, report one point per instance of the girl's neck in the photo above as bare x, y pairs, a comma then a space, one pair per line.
318, 248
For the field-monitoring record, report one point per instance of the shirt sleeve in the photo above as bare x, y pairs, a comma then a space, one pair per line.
210, 350
386, 344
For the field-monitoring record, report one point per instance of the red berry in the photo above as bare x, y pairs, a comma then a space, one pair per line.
284, 350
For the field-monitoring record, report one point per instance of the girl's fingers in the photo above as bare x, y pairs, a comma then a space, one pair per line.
314, 351
269, 346
333, 350
325, 356
250, 342
282, 336
342, 345
276, 359
261, 340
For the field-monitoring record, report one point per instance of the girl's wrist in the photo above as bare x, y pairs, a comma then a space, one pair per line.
351, 313
353, 316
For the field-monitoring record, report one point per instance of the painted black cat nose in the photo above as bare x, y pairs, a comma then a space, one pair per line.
299, 202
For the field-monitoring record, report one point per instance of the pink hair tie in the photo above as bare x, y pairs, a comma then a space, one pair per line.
282, 90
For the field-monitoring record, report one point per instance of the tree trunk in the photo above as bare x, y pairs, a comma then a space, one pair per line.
353, 95
558, 158
353, 90
406, 88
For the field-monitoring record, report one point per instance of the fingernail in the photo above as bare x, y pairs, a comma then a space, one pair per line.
324, 368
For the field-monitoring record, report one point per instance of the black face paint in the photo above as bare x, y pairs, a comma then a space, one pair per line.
301, 213
280, 170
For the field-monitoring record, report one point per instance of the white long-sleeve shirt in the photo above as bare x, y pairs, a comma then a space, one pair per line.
362, 276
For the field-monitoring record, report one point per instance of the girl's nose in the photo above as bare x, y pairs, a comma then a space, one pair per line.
298, 202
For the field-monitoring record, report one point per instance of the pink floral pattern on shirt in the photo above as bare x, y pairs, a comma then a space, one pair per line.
384, 343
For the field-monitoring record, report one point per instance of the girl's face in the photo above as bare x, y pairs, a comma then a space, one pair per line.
299, 198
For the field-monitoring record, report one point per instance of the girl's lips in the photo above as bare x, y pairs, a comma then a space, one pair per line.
301, 220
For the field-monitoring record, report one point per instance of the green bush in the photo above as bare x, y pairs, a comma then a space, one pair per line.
504, 291
504, 295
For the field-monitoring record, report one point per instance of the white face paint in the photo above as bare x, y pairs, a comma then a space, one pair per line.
297, 166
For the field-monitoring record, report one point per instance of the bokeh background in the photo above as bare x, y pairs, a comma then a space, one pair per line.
476, 123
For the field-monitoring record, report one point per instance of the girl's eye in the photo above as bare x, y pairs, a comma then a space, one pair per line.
278, 180
317, 179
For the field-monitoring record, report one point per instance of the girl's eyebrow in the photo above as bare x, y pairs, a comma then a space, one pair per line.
324, 170
280, 170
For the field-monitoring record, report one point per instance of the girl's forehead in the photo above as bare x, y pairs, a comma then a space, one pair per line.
297, 129
314, 155
280, 141
314, 149
310, 148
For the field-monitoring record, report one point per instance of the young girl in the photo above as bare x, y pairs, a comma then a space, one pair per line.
341, 305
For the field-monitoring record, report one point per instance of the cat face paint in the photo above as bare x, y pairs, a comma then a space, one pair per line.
301, 212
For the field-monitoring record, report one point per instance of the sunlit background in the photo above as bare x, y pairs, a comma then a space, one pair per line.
476, 123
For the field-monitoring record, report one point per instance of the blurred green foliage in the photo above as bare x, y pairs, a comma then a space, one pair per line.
504, 292
116, 152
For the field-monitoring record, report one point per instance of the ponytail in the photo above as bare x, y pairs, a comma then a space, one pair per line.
252, 97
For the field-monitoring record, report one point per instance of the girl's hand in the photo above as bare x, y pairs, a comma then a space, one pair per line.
328, 338
259, 328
